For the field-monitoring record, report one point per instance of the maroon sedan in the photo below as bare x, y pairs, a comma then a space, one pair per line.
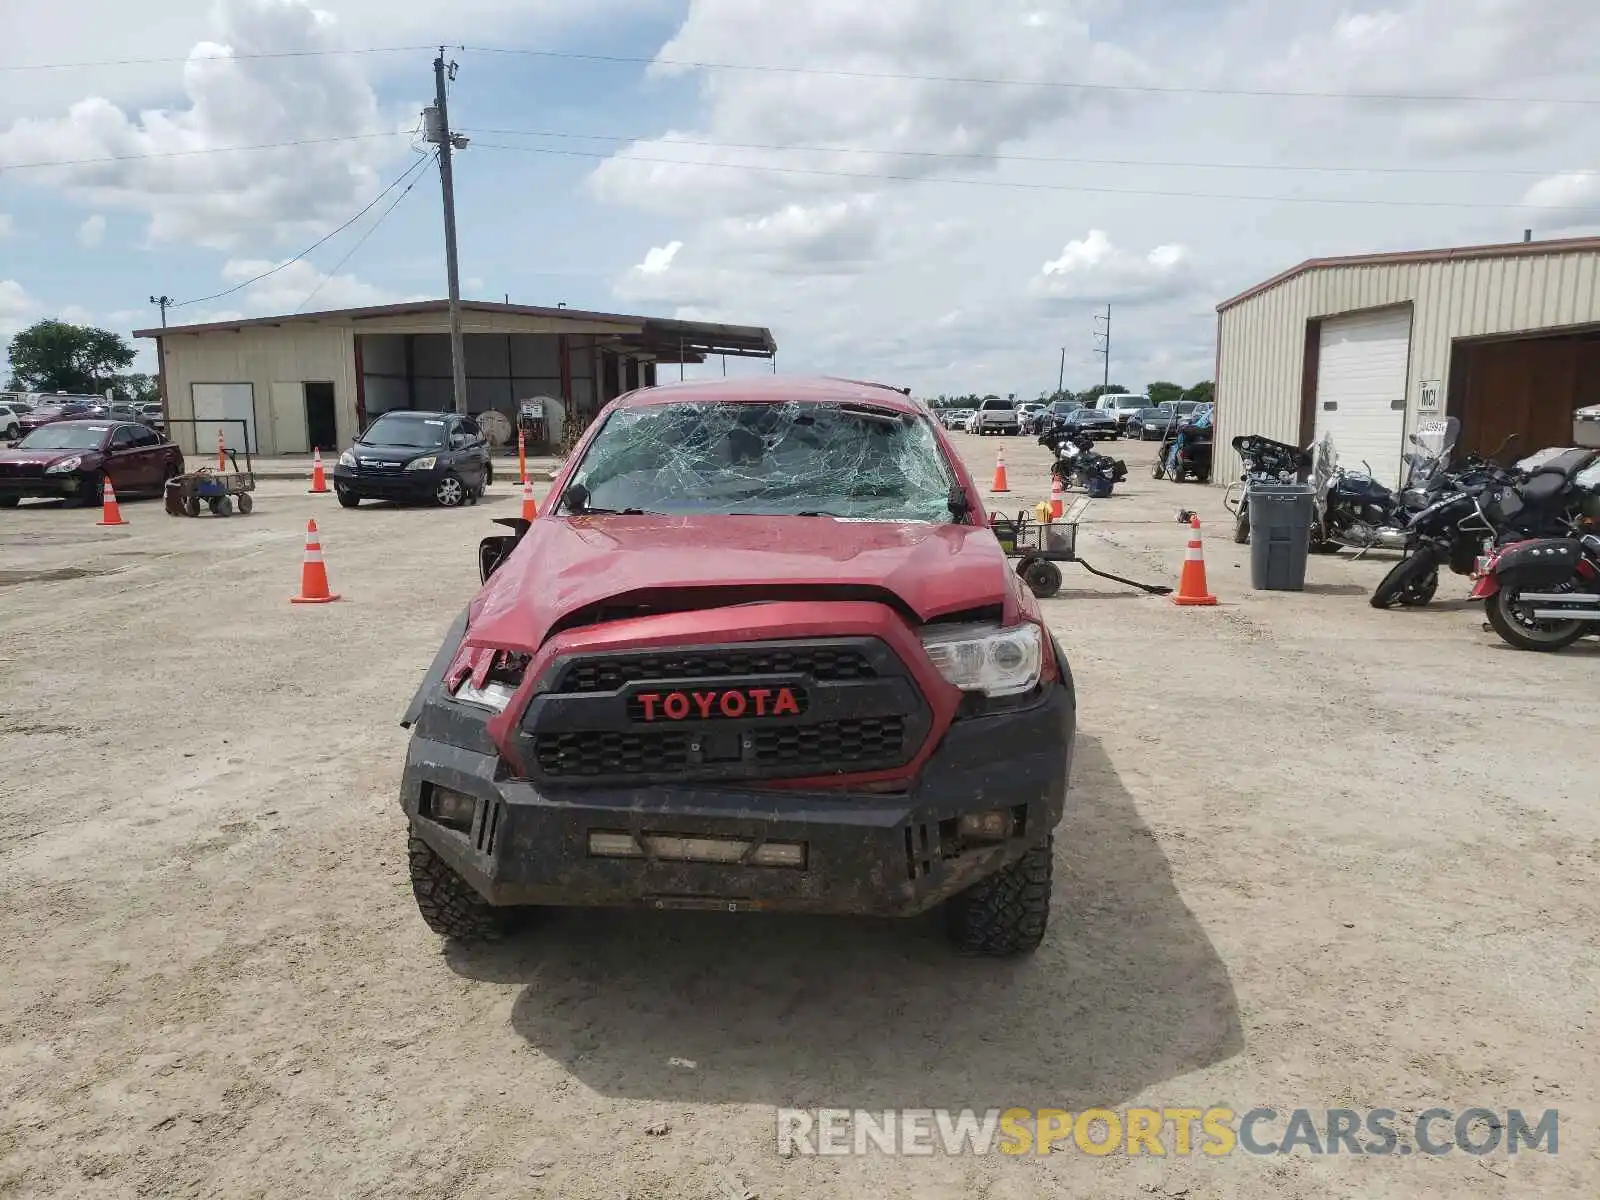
69, 459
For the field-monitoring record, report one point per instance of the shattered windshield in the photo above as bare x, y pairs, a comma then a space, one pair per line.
771, 459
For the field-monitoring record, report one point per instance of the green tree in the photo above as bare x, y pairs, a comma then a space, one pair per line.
55, 356
138, 388
1101, 389
1162, 391
1203, 392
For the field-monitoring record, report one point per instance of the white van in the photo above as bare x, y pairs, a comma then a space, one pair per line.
1123, 405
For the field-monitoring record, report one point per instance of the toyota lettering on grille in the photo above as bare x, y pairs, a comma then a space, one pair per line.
712, 704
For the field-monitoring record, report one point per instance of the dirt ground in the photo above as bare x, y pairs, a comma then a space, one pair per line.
1316, 855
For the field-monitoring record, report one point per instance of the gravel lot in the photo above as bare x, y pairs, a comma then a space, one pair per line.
1317, 856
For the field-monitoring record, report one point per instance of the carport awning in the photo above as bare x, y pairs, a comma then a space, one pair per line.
692, 341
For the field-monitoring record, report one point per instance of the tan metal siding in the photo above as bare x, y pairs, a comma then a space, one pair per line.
261, 357
1263, 337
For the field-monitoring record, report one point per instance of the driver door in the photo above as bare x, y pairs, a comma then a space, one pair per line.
130, 463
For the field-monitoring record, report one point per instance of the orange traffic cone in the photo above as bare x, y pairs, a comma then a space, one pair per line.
110, 513
319, 481
1057, 492
530, 508
1192, 582
313, 572
222, 453
999, 484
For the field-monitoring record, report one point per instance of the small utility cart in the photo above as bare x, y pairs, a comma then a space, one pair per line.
220, 491
1038, 545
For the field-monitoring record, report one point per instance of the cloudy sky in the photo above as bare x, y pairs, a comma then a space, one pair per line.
910, 190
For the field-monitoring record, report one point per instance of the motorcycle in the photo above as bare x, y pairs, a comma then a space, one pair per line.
1079, 464
1265, 462
1353, 509
1185, 451
1456, 529
1542, 594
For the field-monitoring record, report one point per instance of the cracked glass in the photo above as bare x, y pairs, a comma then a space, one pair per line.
791, 458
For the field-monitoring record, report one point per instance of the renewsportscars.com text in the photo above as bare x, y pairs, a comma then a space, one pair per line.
1161, 1132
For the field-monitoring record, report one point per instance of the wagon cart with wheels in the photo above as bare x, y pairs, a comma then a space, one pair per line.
1038, 546
220, 491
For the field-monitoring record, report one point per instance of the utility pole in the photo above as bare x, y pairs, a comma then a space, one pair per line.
163, 303
436, 127
1103, 336
1061, 377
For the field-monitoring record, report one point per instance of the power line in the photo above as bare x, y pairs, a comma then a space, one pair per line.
232, 55
1028, 186
953, 155
1060, 84
839, 73
373, 203
115, 158
371, 229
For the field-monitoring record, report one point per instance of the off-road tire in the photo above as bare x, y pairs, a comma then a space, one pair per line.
1410, 583
448, 905
1004, 916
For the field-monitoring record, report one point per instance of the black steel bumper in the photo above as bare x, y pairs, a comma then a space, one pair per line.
389, 485
865, 853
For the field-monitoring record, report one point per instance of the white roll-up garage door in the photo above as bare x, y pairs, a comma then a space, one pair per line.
1361, 388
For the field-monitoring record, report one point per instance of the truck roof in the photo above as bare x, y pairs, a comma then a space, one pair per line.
774, 389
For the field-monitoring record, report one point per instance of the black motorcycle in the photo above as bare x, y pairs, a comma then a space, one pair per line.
1079, 464
1487, 506
1353, 509
1266, 462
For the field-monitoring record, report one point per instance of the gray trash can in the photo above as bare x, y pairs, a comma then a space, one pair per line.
1280, 534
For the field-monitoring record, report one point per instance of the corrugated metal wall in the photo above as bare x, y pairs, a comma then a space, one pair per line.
260, 356
1261, 341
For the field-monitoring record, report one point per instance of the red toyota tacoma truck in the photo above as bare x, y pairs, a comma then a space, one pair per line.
761, 651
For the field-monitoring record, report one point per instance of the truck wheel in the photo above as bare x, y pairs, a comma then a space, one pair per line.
447, 904
1004, 915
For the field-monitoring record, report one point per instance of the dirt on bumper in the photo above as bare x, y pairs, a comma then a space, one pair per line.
865, 853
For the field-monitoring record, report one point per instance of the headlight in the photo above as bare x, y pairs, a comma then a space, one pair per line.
426, 463
65, 465
987, 658
347, 459
491, 695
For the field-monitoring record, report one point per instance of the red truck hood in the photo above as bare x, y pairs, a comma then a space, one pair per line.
565, 564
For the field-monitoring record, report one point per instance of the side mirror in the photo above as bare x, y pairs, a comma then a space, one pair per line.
492, 551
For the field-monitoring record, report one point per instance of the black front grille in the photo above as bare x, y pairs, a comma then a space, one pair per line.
866, 738
824, 663
594, 753
850, 706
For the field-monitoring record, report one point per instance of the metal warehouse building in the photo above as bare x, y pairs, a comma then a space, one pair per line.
1505, 337
316, 379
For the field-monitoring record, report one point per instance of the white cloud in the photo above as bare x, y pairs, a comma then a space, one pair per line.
1092, 269
17, 308
93, 230
217, 199
298, 287
1575, 194
658, 258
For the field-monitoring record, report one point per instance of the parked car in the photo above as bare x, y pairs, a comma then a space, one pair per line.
1122, 405
56, 410
619, 718
1149, 424
955, 418
11, 414
1050, 420
70, 460
1095, 422
1182, 410
150, 413
416, 456
996, 415
1028, 416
